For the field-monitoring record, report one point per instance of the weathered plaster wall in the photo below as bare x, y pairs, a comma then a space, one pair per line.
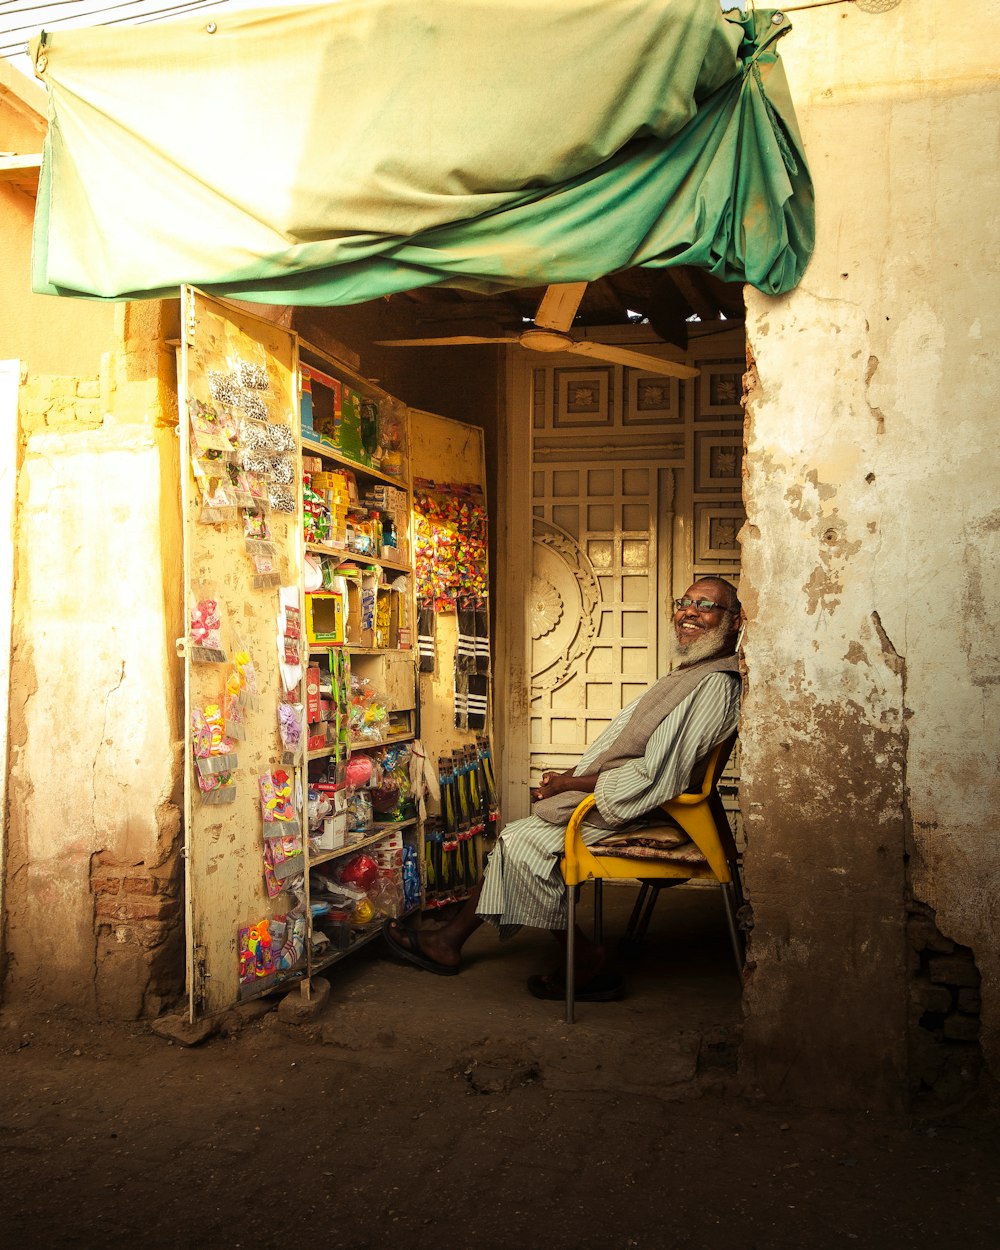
870, 553
50, 335
93, 910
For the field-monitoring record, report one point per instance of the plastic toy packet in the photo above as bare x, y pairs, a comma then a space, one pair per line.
276, 797
206, 632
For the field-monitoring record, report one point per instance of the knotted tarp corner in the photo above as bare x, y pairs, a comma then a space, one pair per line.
337, 153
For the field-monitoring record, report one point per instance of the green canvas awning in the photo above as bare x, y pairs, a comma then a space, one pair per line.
336, 153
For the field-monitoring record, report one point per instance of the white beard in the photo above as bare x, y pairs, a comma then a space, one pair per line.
706, 646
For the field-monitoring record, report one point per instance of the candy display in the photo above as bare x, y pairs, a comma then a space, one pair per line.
302, 623
451, 545
452, 575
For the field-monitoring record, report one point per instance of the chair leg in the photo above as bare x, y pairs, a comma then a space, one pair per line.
570, 953
598, 911
632, 928
647, 915
642, 912
728, 902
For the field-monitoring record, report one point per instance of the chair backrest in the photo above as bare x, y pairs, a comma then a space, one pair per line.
701, 814
707, 771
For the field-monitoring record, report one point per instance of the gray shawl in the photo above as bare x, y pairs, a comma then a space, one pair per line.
651, 710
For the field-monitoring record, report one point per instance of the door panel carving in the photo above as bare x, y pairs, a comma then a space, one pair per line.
623, 486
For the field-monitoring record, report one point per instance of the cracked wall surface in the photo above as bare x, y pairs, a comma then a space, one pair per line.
92, 872
870, 555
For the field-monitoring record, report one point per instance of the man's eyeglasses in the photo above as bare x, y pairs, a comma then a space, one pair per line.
703, 605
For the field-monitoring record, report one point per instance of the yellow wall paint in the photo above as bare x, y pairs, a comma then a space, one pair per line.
50, 334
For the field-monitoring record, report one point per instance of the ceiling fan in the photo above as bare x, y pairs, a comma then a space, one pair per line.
550, 334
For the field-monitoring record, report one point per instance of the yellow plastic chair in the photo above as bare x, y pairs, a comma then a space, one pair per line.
702, 817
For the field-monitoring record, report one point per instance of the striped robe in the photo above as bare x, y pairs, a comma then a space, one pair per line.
523, 884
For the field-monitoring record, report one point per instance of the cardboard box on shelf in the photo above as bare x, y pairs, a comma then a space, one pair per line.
313, 702
361, 593
333, 834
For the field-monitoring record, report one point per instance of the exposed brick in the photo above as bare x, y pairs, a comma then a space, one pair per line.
106, 885
127, 910
154, 909
88, 388
929, 997
970, 1001
961, 1028
140, 885
953, 970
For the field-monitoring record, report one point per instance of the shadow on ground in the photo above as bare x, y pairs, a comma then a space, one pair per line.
427, 1112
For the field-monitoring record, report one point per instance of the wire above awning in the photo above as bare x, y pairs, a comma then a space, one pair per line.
334, 154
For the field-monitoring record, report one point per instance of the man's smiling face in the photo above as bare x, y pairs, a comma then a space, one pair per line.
703, 632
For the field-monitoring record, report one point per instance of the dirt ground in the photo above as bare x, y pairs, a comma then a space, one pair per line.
425, 1112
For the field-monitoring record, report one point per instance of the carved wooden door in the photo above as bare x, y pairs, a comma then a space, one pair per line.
628, 486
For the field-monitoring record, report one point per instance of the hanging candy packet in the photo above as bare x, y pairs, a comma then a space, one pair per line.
207, 430
208, 726
256, 955
286, 855
214, 757
252, 374
239, 487
235, 718
249, 695
282, 498
276, 806
218, 498
290, 726
206, 633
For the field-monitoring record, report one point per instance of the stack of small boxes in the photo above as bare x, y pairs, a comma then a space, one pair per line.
326, 498
392, 503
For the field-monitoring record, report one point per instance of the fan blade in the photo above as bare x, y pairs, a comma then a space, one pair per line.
459, 339
636, 360
559, 305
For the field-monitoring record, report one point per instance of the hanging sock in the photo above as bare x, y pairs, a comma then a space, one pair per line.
462, 699
465, 652
477, 700
426, 636
482, 640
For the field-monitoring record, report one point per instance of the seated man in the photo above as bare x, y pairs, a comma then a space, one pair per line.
644, 757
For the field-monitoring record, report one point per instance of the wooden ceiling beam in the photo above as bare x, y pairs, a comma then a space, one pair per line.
692, 292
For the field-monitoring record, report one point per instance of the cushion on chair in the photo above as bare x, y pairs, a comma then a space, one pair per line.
663, 842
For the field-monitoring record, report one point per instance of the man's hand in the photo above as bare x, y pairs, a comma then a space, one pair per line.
559, 783
551, 784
